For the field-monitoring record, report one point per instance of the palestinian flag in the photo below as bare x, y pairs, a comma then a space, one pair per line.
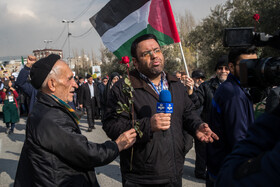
120, 22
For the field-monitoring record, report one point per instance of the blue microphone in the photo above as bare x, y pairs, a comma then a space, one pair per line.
164, 105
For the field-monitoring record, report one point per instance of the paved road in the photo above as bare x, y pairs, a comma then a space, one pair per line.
108, 176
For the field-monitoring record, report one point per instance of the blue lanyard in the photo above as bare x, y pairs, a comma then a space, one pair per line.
161, 85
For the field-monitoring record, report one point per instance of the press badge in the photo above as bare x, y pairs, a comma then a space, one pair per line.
11, 98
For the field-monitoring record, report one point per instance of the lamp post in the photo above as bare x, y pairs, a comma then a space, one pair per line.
69, 34
47, 42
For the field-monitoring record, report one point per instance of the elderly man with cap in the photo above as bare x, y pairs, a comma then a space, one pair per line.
198, 77
202, 97
89, 98
23, 83
55, 153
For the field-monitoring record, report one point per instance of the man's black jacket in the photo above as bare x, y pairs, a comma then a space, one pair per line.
55, 153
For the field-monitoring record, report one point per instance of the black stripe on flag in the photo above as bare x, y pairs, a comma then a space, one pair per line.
113, 13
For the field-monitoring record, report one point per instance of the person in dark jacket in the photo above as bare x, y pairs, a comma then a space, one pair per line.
231, 115
89, 99
255, 160
55, 153
198, 77
202, 97
23, 83
114, 77
101, 88
157, 158
80, 82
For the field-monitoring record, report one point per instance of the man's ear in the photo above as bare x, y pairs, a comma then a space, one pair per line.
135, 62
52, 84
231, 67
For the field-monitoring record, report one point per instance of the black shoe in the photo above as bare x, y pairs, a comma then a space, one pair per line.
200, 176
89, 129
11, 131
93, 127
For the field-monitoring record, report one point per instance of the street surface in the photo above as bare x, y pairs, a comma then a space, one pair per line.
108, 176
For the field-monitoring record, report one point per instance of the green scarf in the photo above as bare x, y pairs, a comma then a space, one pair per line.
65, 105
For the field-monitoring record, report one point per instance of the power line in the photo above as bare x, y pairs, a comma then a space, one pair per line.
60, 34
80, 15
84, 11
81, 35
64, 43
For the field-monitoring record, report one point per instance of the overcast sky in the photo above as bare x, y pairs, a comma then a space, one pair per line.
25, 24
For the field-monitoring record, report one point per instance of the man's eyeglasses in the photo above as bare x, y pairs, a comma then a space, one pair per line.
148, 54
223, 67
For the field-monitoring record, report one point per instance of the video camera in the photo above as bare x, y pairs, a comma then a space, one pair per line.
261, 73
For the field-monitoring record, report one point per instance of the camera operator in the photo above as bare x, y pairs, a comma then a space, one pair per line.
255, 160
231, 115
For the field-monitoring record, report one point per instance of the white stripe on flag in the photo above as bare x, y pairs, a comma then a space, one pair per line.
127, 28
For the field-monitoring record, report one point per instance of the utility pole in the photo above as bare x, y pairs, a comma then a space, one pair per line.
69, 34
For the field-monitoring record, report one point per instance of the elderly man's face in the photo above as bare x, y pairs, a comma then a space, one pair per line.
150, 59
197, 81
222, 73
65, 87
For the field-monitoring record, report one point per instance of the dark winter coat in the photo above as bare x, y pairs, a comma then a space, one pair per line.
255, 161
231, 116
55, 153
158, 157
26, 87
203, 95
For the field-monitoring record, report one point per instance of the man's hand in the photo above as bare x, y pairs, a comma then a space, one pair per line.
205, 134
30, 61
81, 106
190, 84
160, 121
126, 139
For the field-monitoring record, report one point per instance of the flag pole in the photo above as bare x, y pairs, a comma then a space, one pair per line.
182, 52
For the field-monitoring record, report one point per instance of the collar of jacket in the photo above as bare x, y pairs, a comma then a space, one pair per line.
138, 83
47, 100
232, 78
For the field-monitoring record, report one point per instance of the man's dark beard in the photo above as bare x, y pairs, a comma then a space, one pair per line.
150, 73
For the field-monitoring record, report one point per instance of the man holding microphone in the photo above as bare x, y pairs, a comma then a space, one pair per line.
158, 157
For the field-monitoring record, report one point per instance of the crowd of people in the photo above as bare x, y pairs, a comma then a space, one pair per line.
215, 114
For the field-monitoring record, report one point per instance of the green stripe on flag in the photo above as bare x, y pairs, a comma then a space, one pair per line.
22, 61
163, 39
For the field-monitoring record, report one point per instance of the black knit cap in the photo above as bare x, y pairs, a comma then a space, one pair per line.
222, 61
41, 69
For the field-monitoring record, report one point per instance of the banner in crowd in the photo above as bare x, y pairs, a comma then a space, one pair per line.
119, 22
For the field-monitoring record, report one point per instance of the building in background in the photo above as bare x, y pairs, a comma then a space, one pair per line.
42, 53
